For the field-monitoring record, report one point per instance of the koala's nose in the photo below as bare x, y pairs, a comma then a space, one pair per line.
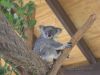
49, 35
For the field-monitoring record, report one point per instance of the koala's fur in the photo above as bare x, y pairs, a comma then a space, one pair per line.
46, 46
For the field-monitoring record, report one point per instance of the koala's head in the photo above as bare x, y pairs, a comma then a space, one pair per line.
50, 32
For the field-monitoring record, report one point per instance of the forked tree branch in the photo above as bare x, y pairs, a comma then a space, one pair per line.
79, 34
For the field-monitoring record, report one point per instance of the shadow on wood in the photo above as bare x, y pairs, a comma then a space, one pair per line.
92, 69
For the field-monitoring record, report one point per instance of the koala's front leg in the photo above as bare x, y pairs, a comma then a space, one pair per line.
68, 45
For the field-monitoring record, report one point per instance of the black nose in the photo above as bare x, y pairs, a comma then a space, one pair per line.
49, 35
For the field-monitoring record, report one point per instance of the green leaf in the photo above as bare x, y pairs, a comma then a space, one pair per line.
3, 70
20, 2
6, 3
15, 5
20, 11
9, 17
29, 8
31, 23
24, 13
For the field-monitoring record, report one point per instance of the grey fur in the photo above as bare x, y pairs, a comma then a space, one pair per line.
46, 46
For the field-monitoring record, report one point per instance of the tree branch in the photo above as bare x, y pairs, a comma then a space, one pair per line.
74, 41
13, 49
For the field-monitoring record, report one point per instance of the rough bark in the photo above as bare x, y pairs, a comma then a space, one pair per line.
30, 37
13, 49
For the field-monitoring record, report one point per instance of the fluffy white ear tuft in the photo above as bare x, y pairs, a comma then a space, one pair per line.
59, 30
41, 28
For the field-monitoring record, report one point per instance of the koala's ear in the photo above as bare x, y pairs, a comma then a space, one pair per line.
59, 30
41, 28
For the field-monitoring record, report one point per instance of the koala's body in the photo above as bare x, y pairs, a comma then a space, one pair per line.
46, 46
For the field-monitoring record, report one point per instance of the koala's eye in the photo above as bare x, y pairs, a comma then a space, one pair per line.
51, 31
54, 31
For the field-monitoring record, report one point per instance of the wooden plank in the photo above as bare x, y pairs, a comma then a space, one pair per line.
70, 27
92, 69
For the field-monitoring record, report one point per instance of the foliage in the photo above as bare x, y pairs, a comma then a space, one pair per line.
3, 70
19, 14
7, 69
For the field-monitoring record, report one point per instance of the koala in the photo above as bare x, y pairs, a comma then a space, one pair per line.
46, 46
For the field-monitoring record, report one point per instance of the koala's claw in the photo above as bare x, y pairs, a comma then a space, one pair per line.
69, 45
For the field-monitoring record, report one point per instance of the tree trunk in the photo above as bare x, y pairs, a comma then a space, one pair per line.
13, 49
30, 36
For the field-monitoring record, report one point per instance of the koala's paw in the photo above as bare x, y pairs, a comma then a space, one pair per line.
68, 45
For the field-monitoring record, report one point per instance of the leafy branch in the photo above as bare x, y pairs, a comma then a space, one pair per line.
19, 14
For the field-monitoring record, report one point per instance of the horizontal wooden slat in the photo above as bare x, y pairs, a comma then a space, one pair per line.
93, 69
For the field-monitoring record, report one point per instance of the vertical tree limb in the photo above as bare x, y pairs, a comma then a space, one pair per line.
13, 49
